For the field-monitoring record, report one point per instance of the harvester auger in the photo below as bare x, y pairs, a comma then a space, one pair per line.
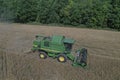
59, 47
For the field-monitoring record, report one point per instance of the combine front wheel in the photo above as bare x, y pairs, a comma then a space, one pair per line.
62, 58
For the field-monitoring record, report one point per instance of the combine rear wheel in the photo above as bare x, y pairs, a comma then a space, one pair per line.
43, 55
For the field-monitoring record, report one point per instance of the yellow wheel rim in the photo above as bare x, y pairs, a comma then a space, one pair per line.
61, 59
42, 56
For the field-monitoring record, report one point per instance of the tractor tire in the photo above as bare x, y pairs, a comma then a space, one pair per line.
62, 58
42, 55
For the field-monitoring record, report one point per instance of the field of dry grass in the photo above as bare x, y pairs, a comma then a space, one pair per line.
15, 39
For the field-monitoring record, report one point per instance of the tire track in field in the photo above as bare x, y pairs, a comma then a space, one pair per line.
3, 65
107, 57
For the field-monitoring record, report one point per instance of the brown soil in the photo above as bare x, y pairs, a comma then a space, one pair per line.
16, 39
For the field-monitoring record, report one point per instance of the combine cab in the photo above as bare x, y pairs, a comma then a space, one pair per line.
59, 47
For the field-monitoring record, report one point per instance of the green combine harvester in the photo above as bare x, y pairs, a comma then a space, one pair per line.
59, 47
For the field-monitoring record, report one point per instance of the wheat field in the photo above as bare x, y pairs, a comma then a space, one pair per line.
16, 39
